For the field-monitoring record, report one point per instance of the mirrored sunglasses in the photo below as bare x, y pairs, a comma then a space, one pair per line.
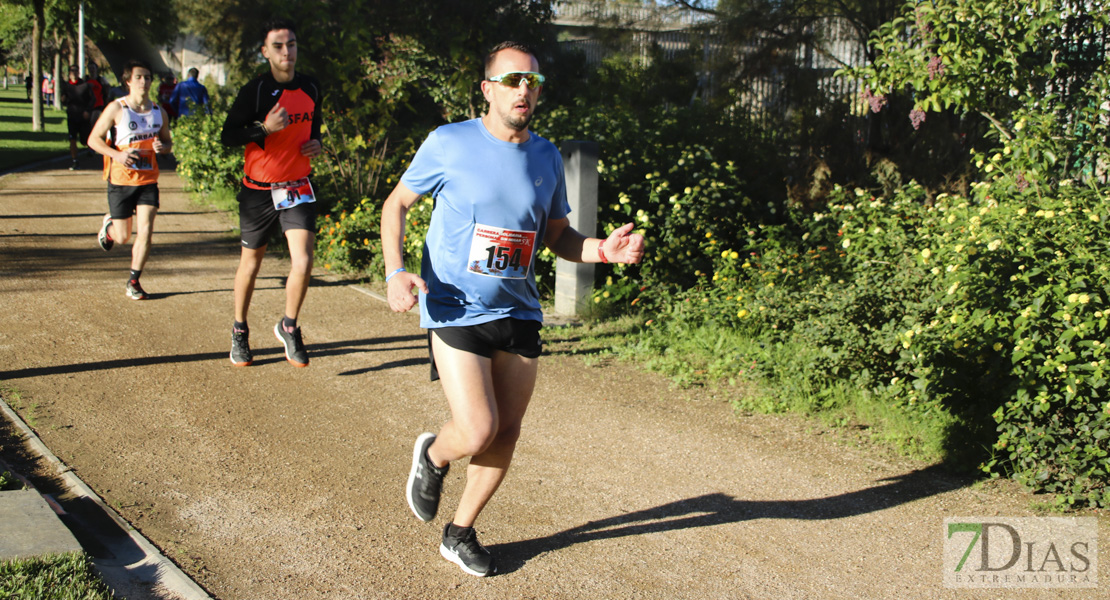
515, 78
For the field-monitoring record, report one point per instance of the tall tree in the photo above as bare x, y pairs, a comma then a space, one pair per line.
38, 7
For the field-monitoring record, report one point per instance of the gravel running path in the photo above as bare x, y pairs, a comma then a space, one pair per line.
276, 482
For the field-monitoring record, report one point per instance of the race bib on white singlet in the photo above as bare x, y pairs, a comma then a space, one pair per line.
498, 252
144, 159
288, 194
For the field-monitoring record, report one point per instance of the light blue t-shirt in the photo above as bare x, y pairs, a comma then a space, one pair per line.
492, 203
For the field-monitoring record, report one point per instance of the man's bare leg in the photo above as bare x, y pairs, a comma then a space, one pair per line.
488, 399
250, 262
301, 242
144, 222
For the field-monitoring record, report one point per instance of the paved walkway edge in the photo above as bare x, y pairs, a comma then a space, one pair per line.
167, 576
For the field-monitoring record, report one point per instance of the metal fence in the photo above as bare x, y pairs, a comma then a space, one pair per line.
763, 95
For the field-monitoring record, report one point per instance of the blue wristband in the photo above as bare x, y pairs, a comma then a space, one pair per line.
390, 276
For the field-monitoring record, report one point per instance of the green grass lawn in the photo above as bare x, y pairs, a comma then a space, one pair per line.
53, 577
18, 144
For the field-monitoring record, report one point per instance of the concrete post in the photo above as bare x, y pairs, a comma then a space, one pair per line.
574, 281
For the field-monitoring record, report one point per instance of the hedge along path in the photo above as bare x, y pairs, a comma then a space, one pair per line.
271, 481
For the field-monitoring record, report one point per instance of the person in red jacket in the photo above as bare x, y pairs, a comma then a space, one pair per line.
276, 116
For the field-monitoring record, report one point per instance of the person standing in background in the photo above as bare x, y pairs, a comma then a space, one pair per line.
99, 89
165, 90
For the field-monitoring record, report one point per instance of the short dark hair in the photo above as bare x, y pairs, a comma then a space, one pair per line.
194, 72
277, 25
131, 65
506, 45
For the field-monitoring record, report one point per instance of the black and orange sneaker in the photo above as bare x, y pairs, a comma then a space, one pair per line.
295, 352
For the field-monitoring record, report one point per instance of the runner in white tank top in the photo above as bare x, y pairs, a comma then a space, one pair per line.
140, 129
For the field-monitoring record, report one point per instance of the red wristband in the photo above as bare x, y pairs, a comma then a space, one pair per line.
601, 253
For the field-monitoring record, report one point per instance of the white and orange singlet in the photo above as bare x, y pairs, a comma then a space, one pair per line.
135, 130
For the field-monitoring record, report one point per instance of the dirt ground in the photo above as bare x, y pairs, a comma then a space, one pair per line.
276, 482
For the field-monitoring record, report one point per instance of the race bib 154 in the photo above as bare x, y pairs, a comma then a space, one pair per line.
498, 252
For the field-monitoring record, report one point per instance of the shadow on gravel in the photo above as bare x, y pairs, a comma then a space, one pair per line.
48, 216
314, 350
719, 509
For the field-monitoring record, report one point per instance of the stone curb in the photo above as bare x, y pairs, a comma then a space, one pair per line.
153, 566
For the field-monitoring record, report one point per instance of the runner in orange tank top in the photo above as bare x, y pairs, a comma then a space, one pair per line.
129, 133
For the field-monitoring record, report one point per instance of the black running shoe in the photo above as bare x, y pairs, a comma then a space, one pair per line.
74, 165
294, 347
425, 480
135, 291
106, 242
241, 349
466, 552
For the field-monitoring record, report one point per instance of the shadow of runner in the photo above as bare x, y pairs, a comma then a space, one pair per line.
720, 509
329, 349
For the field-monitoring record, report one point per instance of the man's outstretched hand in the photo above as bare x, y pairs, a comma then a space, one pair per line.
624, 247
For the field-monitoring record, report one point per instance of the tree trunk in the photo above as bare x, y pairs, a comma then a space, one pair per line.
39, 7
57, 71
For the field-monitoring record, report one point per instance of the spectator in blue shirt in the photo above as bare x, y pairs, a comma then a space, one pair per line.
189, 91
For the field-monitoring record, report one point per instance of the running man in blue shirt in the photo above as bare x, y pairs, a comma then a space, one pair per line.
499, 193
189, 92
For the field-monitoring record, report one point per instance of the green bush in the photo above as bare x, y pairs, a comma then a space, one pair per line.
982, 318
204, 164
679, 174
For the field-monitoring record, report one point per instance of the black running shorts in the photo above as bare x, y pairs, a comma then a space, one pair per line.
257, 215
122, 199
79, 127
516, 336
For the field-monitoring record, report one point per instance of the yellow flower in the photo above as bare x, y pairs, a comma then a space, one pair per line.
994, 245
734, 255
997, 346
926, 253
1084, 298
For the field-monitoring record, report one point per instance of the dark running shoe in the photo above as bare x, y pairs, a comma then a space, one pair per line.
135, 291
74, 165
425, 480
106, 242
466, 552
294, 347
241, 349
